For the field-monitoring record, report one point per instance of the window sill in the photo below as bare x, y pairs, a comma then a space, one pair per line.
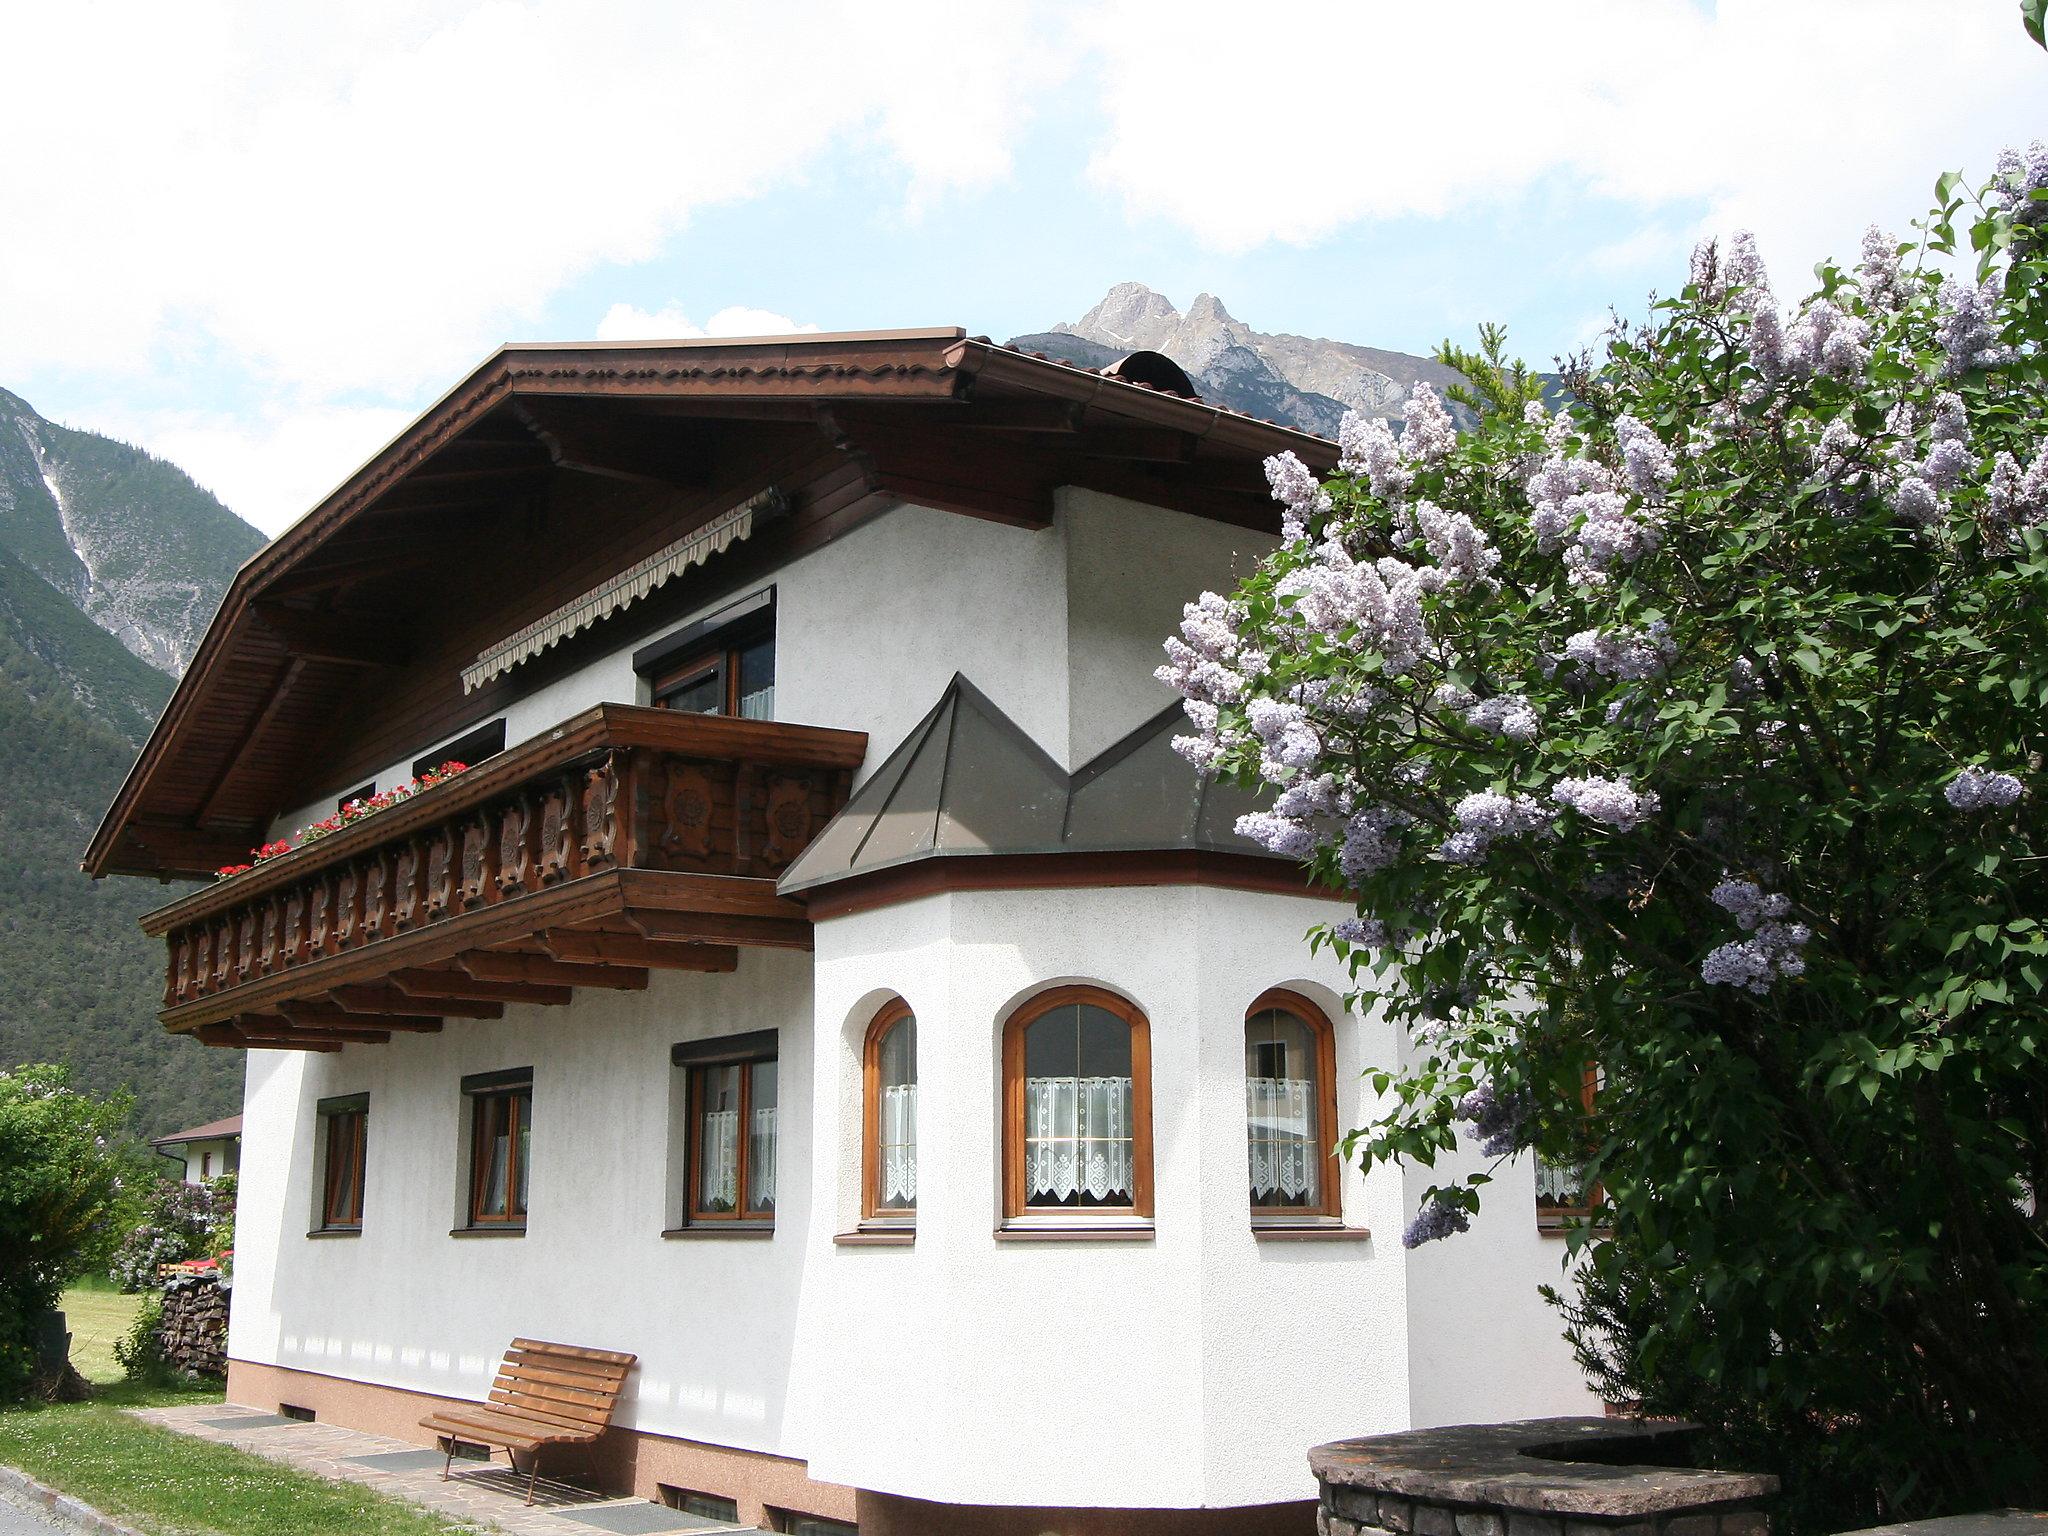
336, 1232
755, 1229
506, 1230
876, 1237
1320, 1233
1112, 1231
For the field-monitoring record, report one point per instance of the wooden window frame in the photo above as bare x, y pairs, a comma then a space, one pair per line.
748, 1052
1329, 1207
520, 1116
872, 1211
720, 654
344, 1131
1558, 1218
466, 748
1016, 1213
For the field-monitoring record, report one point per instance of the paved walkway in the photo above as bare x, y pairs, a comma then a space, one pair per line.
493, 1499
20, 1520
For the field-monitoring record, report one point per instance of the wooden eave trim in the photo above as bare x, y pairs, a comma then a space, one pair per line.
742, 901
936, 873
931, 365
595, 729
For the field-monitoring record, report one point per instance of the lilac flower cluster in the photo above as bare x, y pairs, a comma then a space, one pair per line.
1883, 280
1969, 326
1611, 802
1918, 496
1496, 1118
1455, 543
1366, 446
1437, 1219
1199, 668
1975, 790
1484, 817
1825, 341
2020, 179
1288, 740
1629, 655
1507, 714
1296, 488
1645, 461
1367, 933
2014, 499
1428, 435
1381, 599
1371, 842
1773, 948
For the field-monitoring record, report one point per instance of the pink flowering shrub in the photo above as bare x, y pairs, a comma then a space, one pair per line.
1689, 725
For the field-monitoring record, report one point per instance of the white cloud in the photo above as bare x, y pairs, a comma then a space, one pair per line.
370, 197
1801, 119
628, 322
269, 468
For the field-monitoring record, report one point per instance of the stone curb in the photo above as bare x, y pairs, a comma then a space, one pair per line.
79, 1516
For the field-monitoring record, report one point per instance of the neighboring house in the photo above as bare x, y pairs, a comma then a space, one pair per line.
825, 982
208, 1151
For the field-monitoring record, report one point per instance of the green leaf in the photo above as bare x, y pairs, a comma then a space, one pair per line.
2033, 16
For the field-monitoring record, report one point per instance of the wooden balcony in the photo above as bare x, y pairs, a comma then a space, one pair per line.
624, 840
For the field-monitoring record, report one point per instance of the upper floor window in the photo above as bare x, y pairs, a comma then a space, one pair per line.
1077, 1107
500, 1146
1290, 1109
469, 749
344, 1125
732, 1108
723, 665
889, 1162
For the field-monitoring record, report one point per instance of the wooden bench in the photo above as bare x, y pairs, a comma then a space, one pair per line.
545, 1394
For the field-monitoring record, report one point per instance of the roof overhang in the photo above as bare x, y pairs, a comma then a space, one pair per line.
532, 413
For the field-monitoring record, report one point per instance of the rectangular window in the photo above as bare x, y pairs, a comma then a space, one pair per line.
731, 1102
486, 740
723, 665
500, 1146
709, 1506
796, 1524
344, 1144
354, 795
1563, 1192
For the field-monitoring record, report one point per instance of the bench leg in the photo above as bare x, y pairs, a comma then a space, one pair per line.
448, 1465
532, 1471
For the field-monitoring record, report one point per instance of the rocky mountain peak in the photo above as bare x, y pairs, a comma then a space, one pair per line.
1305, 382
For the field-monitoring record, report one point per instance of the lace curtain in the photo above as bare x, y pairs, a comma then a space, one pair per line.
1077, 1139
1560, 1184
719, 1161
899, 1145
1281, 1113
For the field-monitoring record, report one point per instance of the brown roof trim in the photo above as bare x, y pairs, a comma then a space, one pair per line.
213, 1130
1062, 871
927, 364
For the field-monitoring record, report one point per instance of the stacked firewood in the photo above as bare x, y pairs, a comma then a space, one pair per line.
193, 1335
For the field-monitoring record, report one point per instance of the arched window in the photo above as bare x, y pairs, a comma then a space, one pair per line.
1290, 1099
889, 1137
1077, 1108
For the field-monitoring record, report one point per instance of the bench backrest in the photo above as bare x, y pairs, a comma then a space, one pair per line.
561, 1384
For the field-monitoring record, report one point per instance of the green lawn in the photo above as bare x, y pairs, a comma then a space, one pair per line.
172, 1485
98, 1317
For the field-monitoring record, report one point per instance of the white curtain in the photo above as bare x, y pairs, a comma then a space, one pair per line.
899, 1145
1284, 1156
718, 1161
761, 1161
1560, 1183
1077, 1138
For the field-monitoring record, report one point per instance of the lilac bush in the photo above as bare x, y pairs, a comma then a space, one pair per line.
1688, 725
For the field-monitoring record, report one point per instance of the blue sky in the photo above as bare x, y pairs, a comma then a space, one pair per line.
258, 238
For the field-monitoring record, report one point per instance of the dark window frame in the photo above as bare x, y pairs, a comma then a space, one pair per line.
712, 647
486, 1093
354, 795
344, 1132
697, 1059
473, 746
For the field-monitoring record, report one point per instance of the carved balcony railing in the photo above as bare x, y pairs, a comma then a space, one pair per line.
624, 838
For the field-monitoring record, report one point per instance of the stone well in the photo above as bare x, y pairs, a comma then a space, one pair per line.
1540, 1477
